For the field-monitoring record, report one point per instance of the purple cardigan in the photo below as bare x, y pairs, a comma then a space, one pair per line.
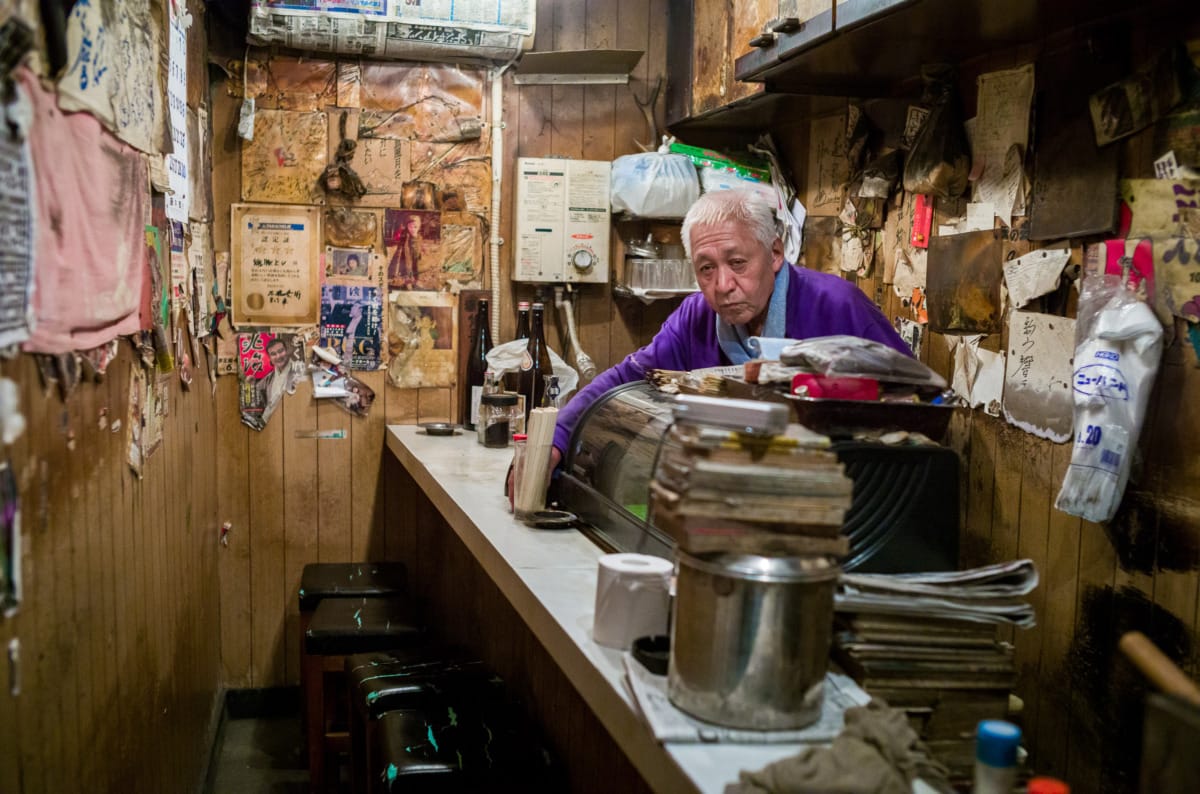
818, 304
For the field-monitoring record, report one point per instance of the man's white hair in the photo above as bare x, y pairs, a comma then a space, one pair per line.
747, 207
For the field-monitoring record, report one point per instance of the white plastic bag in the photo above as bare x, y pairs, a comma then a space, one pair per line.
507, 358
1118, 343
654, 185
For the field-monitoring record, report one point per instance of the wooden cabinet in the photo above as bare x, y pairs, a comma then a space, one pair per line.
705, 38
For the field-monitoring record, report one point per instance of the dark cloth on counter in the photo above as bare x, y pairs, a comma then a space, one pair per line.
877, 753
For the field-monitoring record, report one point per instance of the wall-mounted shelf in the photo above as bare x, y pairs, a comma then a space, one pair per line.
875, 49
870, 46
576, 67
650, 295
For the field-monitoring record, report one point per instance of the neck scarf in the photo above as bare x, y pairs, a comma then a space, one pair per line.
735, 340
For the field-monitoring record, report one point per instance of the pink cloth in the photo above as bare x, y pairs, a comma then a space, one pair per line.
90, 252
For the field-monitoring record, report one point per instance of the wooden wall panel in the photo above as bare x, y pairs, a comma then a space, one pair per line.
99, 668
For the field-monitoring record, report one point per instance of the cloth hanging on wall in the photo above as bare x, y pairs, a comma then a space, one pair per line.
91, 195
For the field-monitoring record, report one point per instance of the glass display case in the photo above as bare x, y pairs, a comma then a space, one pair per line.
609, 463
903, 516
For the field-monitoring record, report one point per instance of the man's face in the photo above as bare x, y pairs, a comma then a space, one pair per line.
735, 271
279, 355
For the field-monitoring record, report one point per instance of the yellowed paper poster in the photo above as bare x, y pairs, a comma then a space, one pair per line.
461, 171
421, 342
276, 265
284, 162
427, 102
113, 55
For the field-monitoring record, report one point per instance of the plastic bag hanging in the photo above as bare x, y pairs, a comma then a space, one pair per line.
940, 160
1118, 344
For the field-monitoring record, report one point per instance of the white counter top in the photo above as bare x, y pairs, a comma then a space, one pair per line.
550, 579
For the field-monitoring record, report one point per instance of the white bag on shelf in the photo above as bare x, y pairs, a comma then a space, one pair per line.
654, 185
1118, 343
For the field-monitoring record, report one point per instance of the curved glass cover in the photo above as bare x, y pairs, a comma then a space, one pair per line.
610, 461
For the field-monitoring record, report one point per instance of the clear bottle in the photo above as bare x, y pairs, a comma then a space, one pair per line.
536, 362
473, 385
518, 469
550, 400
996, 744
512, 380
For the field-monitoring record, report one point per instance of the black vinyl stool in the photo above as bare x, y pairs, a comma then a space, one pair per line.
340, 627
415, 679
321, 580
464, 746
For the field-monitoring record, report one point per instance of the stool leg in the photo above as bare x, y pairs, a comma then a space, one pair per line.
314, 715
357, 734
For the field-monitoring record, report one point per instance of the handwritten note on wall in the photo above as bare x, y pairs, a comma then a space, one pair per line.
1037, 376
828, 167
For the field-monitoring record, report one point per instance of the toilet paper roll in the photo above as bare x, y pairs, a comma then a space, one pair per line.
632, 598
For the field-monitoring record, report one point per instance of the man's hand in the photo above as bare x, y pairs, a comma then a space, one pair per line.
509, 490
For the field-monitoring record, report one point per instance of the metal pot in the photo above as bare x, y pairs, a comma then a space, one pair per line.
750, 639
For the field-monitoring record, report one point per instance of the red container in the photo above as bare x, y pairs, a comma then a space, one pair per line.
808, 384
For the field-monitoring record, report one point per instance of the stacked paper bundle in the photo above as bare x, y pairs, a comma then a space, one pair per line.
721, 491
926, 643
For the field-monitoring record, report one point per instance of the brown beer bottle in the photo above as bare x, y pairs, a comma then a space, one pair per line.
512, 380
535, 363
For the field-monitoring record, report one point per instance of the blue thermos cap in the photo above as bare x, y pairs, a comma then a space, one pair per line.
996, 743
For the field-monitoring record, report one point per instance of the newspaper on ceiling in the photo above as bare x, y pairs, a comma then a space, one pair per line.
991, 594
493, 30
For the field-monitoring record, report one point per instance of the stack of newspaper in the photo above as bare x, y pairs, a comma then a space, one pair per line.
926, 643
717, 490
992, 594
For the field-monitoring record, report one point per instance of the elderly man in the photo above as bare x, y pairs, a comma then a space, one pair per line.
746, 290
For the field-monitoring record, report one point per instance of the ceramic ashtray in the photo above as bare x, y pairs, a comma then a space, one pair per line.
439, 429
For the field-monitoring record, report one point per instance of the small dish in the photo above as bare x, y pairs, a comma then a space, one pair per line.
653, 652
552, 519
440, 429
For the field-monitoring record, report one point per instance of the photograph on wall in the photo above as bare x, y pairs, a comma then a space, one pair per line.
276, 265
286, 158
181, 277
352, 323
350, 264
412, 240
269, 366
421, 343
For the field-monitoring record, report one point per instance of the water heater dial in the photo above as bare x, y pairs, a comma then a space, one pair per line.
582, 259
